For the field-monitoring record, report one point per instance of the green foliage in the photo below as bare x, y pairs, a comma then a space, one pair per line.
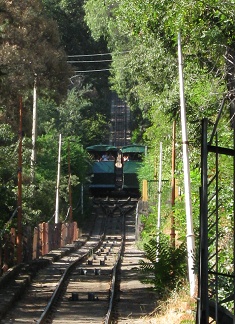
166, 266
75, 116
8, 172
143, 39
77, 41
40, 196
28, 34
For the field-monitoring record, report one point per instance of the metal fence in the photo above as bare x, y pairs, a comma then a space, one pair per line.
36, 242
216, 282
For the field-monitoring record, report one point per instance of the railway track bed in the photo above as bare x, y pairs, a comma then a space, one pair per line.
81, 286
135, 299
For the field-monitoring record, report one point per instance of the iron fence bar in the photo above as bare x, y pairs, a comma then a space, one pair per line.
209, 309
211, 213
212, 240
221, 274
217, 120
203, 308
234, 221
210, 271
213, 224
217, 229
212, 196
220, 150
211, 180
211, 256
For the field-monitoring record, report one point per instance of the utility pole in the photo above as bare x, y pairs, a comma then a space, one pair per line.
159, 200
34, 130
70, 191
58, 184
19, 202
187, 188
173, 186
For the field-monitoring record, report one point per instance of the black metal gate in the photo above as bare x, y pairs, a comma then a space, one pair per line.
216, 280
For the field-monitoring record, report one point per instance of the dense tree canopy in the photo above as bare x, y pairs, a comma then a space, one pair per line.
84, 53
142, 39
30, 49
147, 70
36, 39
77, 50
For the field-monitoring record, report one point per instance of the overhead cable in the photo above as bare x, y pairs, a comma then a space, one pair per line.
97, 61
92, 71
98, 54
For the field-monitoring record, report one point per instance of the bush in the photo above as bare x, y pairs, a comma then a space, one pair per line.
166, 266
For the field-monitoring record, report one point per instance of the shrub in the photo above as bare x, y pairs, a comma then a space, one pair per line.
166, 266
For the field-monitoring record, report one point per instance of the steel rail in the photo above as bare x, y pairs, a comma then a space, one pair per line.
58, 288
113, 285
108, 316
44, 316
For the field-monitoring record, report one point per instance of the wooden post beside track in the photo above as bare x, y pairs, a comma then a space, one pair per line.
145, 190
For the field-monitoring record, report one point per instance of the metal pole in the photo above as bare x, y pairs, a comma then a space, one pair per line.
173, 188
203, 309
19, 216
34, 130
70, 191
187, 188
58, 184
234, 219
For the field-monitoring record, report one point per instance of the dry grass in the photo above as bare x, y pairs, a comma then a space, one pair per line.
178, 309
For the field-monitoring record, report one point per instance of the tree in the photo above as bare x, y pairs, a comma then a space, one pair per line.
75, 116
84, 53
29, 48
147, 73
8, 163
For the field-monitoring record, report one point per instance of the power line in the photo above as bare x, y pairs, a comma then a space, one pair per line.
86, 55
87, 71
96, 61
98, 54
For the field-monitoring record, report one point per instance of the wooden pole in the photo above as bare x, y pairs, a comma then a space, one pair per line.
145, 190
19, 202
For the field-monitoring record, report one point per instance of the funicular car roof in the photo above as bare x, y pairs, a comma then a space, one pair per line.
134, 148
101, 148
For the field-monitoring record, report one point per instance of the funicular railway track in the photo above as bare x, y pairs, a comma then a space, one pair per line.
80, 287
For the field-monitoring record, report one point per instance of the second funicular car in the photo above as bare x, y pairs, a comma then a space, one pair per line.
103, 175
132, 156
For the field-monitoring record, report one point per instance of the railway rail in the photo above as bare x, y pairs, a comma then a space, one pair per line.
81, 286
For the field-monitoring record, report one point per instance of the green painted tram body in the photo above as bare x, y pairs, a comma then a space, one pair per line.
130, 178
135, 155
103, 173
